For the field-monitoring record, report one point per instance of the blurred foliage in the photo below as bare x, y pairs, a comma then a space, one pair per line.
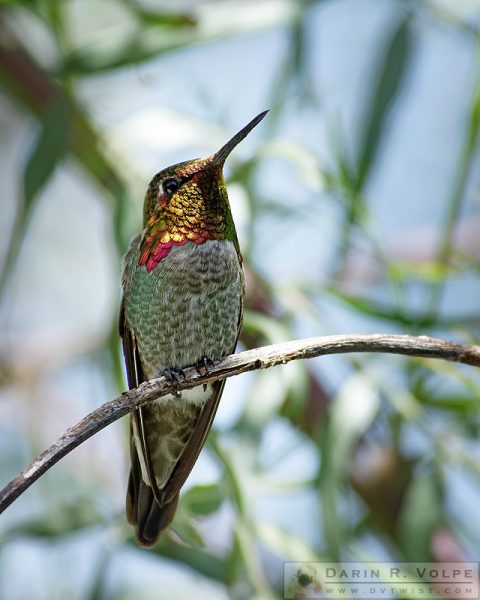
388, 438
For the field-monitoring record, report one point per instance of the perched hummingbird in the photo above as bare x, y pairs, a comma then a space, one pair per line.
182, 305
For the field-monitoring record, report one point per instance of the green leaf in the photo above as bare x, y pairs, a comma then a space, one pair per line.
287, 545
305, 162
352, 412
203, 499
216, 21
186, 529
381, 311
165, 19
454, 403
385, 312
59, 522
410, 319
199, 559
421, 515
246, 540
235, 486
474, 128
428, 271
4, 3
350, 415
49, 148
121, 50
390, 74
271, 328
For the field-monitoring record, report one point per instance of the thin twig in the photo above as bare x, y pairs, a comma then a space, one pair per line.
259, 358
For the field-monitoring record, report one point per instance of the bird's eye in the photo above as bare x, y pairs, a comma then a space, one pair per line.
170, 186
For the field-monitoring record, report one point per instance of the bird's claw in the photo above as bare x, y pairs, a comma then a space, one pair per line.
204, 365
174, 375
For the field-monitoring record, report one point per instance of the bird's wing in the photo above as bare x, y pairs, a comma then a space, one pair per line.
144, 508
135, 374
194, 445
135, 377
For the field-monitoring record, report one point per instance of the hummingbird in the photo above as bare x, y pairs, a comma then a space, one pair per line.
183, 288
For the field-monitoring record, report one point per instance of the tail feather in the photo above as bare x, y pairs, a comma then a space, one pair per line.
148, 517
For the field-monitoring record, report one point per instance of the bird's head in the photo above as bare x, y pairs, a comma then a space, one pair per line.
188, 202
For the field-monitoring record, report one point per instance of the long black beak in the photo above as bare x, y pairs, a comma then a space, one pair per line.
224, 151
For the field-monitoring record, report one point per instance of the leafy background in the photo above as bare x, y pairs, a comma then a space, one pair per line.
357, 206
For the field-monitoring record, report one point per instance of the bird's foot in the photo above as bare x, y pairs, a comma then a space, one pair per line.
204, 365
174, 375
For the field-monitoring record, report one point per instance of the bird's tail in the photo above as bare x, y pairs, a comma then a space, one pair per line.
143, 511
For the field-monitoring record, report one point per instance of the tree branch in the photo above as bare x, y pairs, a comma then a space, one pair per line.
259, 358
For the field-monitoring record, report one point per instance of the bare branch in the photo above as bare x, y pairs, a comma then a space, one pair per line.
259, 358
